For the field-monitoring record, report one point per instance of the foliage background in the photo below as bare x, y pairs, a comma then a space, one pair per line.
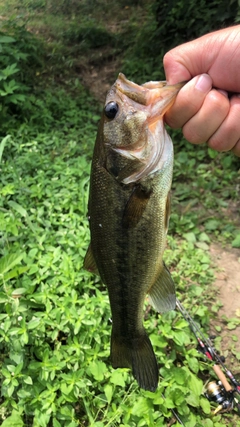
54, 316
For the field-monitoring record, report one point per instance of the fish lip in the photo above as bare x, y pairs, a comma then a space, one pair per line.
130, 89
145, 95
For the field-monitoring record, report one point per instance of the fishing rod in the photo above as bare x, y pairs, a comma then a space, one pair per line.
175, 414
224, 393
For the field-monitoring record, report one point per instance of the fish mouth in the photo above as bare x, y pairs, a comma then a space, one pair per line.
154, 98
158, 96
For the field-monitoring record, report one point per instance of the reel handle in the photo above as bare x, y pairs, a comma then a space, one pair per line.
222, 377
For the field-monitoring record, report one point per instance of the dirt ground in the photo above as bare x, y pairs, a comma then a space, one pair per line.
99, 79
227, 262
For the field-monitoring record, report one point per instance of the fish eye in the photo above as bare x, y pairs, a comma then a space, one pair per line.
111, 110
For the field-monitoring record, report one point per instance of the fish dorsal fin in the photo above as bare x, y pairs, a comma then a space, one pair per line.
162, 294
89, 262
135, 207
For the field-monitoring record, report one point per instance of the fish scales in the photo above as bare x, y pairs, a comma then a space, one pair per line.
129, 212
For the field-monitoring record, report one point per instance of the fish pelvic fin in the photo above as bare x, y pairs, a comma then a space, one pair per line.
162, 294
137, 354
89, 262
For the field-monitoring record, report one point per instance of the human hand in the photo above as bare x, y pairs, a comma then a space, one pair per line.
203, 108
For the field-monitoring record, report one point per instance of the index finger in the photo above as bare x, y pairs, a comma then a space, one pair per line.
189, 101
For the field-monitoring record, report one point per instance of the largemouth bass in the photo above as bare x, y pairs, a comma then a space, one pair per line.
129, 207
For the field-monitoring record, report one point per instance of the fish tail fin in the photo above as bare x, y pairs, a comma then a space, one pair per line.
138, 355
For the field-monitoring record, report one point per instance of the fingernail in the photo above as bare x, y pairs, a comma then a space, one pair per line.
223, 92
204, 83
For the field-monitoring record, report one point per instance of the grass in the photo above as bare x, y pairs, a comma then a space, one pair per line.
54, 316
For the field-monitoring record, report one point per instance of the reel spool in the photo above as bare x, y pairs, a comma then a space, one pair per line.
215, 392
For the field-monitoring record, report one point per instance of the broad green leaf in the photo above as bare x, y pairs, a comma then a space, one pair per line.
34, 323
208, 423
15, 420
193, 364
195, 388
203, 237
18, 208
180, 375
10, 69
15, 272
18, 368
98, 369
193, 399
190, 237
231, 326
212, 153
205, 405
6, 39
10, 391
9, 261
180, 337
108, 390
195, 384
18, 292
212, 224
56, 423
117, 378
141, 407
2, 145
181, 323
3, 298
236, 242
28, 380
202, 245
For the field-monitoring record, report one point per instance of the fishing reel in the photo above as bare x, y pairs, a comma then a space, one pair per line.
226, 400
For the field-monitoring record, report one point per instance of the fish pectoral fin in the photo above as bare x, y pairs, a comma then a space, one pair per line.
135, 207
138, 354
131, 168
89, 261
162, 294
167, 211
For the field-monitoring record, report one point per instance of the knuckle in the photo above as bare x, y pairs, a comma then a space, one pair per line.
191, 134
236, 149
219, 103
216, 143
172, 122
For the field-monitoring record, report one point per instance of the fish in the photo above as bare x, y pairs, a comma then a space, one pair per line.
128, 210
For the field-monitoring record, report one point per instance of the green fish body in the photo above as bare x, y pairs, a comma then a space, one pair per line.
129, 207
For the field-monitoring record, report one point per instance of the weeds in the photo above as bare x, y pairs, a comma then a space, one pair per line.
54, 316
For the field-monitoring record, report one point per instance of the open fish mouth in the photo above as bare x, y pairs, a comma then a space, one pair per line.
158, 94
153, 99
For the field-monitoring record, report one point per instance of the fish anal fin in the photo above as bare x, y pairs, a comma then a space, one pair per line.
135, 207
89, 262
162, 294
138, 355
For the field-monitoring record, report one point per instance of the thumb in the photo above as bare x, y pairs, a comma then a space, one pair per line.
175, 70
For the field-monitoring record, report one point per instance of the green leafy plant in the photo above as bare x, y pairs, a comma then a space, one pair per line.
169, 24
20, 58
54, 316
